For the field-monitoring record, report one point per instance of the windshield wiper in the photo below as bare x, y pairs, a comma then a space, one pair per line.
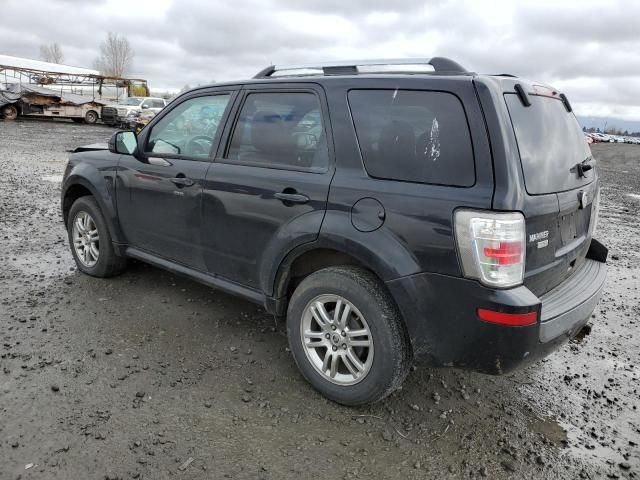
583, 166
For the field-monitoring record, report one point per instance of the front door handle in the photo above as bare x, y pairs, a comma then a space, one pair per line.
291, 197
182, 181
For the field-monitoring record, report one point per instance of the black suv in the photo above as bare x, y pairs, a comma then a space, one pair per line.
393, 212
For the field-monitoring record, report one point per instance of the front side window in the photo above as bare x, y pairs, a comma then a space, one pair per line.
190, 128
413, 136
280, 130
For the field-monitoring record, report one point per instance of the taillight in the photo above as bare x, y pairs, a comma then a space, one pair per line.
491, 246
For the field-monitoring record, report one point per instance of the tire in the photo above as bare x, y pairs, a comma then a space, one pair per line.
10, 112
90, 117
106, 263
372, 309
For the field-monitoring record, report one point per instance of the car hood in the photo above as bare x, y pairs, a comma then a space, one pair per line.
90, 148
120, 105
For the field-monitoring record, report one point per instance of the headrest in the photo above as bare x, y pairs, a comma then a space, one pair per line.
269, 133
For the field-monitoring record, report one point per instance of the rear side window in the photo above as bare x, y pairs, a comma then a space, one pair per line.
413, 136
551, 143
280, 130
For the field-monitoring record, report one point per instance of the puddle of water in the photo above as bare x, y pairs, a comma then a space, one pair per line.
52, 178
550, 428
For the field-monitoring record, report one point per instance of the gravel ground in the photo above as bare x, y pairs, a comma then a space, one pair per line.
148, 375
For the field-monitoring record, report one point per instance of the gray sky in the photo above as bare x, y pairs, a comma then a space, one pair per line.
588, 49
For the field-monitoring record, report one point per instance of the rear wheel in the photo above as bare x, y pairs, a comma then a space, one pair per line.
346, 335
91, 117
10, 112
90, 240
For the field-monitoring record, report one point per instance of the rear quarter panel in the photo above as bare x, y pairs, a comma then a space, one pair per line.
417, 232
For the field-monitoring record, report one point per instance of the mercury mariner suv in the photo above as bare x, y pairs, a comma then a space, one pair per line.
395, 212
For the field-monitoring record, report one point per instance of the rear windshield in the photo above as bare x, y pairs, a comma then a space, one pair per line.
413, 136
551, 143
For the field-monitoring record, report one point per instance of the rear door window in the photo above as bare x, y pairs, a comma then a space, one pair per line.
280, 130
413, 136
551, 143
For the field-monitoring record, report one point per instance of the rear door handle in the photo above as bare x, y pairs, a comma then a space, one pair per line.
182, 181
291, 197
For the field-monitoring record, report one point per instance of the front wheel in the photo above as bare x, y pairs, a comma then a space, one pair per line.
10, 112
346, 335
91, 117
90, 240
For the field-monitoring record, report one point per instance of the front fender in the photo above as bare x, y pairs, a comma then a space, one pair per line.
101, 183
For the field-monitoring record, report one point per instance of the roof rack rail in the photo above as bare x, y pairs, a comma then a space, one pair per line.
350, 67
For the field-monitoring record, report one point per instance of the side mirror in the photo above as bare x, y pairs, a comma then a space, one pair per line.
124, 142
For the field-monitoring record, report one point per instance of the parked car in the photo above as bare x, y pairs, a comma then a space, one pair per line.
588, 138
121, 114
389, 217
138, 120
601, 137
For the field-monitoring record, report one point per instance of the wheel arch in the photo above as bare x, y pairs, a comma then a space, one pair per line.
328, 252
86, 182
296, 267
73, 193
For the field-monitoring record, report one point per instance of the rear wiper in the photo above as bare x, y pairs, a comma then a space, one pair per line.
583, 166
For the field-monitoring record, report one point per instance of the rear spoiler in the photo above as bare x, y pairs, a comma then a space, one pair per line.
543, 91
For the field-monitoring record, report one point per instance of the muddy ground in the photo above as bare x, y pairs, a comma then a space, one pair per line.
149, 375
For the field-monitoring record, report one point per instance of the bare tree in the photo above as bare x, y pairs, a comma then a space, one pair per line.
116, 55
51, 53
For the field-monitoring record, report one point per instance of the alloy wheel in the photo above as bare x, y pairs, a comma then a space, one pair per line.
86, 239
337, 339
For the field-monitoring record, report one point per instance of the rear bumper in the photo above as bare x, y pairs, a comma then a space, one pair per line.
440, 313
572, 302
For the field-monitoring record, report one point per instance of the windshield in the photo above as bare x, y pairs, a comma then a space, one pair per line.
551, 143
135, 101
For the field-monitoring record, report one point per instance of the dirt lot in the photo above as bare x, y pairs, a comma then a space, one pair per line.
149, 375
